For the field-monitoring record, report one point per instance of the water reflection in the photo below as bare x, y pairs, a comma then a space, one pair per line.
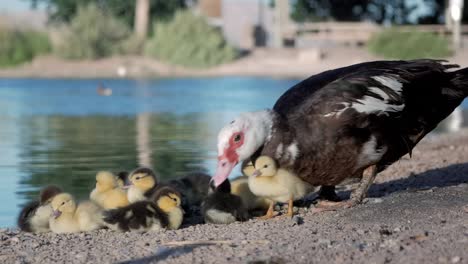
68, 150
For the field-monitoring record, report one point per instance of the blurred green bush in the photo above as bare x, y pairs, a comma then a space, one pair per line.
17, 46
92, 34
188, 40
398, 44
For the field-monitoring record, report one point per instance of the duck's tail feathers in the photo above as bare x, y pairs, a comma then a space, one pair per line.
26, 213
461, 81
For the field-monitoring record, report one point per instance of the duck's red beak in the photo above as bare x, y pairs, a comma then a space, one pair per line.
223, 170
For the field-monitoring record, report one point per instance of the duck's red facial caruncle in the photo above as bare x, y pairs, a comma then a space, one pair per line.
228, 154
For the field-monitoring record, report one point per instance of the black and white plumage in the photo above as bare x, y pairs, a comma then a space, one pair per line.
222, 207
142, 216
164, 212
34, 216
339, 123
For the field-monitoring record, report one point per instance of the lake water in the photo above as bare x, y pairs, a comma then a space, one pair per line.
61, 131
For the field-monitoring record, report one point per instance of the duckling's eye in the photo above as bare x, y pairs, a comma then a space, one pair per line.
137, 178
265, 166
63, 203
175, 199
237, 138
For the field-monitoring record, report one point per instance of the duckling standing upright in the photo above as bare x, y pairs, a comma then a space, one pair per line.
222, 207
107, 193
276, 184
240, 187
34, 217
68, 218
143, 185
164, 212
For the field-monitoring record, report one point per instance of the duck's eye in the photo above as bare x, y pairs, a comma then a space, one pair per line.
63, 203
237, 138
265, 166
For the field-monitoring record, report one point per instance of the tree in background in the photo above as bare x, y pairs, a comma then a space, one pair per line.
379, 11
65, 10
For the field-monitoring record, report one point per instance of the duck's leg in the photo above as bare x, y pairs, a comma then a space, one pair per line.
327, 192
357, 195
270, 213
290, 208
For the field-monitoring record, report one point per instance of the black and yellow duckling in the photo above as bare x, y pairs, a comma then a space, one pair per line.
193, 188
34, 217
143, 185
107, 193
68, 218
165, 212
222, 207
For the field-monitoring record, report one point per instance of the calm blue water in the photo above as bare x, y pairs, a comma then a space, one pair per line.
62, 131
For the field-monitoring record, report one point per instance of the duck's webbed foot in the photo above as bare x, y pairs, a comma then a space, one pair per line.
327, 192
290, 208
270, 213
356, 196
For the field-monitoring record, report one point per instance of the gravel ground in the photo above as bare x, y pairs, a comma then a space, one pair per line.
417, 213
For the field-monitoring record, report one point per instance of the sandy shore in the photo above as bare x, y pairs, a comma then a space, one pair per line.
417, 213
261, 62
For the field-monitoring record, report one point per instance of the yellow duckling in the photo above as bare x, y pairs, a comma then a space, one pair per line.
34, 217
68, 218
165, 212
276, 184
240, 187
143, 185
107, 193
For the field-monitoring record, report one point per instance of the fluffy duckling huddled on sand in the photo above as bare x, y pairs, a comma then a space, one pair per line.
34, 217
193, 188
276, 184
223, 207
164, 212
68, 218
143, 185
107, 193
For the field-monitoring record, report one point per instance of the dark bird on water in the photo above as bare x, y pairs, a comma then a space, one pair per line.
348, 122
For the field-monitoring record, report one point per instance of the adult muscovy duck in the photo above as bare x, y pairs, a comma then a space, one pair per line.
348, 122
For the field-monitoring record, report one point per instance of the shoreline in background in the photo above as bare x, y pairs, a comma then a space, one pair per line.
281, 63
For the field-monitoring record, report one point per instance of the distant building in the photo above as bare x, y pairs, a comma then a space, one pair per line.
245, 23
24, 19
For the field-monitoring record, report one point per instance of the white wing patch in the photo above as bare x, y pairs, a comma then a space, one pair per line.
370, 154
293, 152
369, 104
279, 151
389, 82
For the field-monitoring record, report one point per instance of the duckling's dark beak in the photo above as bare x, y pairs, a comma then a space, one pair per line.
126, 186
56, 213
256, 173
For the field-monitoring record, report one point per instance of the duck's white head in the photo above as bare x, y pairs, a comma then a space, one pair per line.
239, 140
